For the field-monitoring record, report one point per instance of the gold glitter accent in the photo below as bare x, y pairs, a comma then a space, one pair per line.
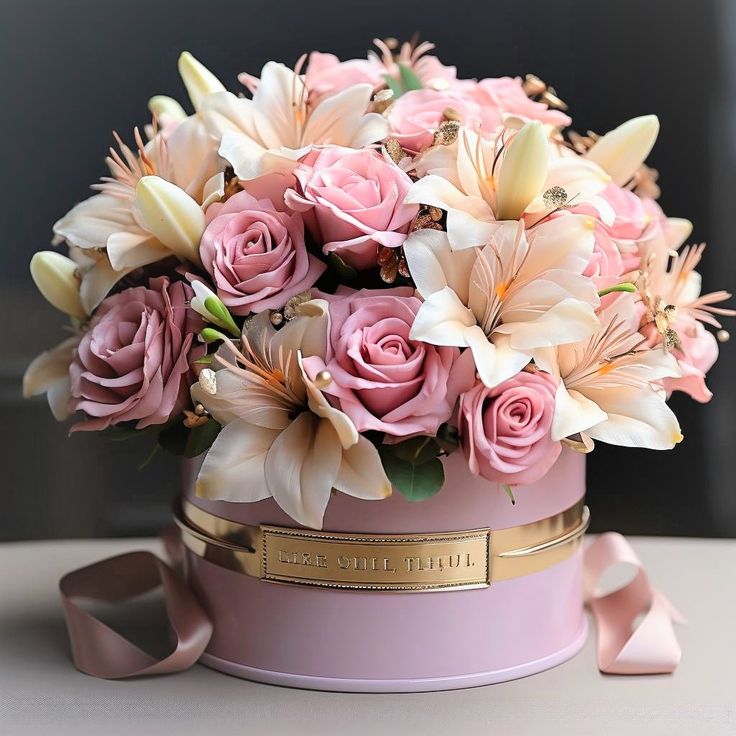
435, 213
199, 410
390, 269
291, 306
232, 183
450, 113
277, 319
382, 100
447, 133
671, 340
208, 381
394, 150
403, 268
192, 420
554, 197
539, 91
384, 255
723, 335
424, 221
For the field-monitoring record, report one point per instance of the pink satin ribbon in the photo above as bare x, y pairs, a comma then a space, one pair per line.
625, 648
98, 650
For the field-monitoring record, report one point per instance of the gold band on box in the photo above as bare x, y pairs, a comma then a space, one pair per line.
386, 562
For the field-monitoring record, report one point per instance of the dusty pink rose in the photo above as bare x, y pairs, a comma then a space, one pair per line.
355, 202
505, 430
382, 379
133, 364
415, 116
256, 254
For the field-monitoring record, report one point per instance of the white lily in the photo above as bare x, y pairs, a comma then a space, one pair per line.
49, 373
508, 298
57, 278
280, 436
171, 215
607, 388
480, 183
108, 226
621, 151
276, 128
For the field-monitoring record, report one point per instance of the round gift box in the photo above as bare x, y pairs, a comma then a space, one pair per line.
378, 641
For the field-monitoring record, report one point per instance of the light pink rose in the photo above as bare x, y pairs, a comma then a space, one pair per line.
505, 430
381, 378
506, 96
695, 357
354, 201
133, 363
415, 116
327, 75
255, 254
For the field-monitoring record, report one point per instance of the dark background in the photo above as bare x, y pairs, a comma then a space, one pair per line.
72, 71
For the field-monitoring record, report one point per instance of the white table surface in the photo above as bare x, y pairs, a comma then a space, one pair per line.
42, 693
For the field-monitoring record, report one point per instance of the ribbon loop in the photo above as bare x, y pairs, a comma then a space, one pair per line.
100, 651
625, 648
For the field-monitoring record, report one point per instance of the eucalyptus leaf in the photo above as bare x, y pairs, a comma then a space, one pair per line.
179, 440
348, 273
414, 482
416, 450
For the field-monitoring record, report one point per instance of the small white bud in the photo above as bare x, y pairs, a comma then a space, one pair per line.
170, 214
523, 171
56, 277
198, 80
162, 107
623, 150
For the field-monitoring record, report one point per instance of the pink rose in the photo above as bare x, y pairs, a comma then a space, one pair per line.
133, 364
381, 378
327, 75
415, 116
355, 201
506, 96
255, 254
505, 430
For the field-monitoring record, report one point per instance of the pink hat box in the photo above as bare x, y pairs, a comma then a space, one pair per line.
328, 638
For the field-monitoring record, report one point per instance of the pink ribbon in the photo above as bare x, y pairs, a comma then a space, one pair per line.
625, 648
98, 650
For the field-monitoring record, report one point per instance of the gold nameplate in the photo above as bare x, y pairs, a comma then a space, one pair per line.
383, 562
377, 562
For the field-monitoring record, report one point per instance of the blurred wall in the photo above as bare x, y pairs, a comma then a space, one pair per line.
74, 70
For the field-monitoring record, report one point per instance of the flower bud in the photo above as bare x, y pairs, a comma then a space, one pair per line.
623, 150
523, 172
198, 80
56, 277
170, 214
162, 106
210, 306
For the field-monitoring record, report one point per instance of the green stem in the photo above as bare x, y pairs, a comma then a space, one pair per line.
626, 287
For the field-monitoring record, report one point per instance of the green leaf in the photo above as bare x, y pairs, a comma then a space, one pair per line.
201, 438
414, 482
409, 79
348, 273
394, 86
448, 438
180, 440
416, 450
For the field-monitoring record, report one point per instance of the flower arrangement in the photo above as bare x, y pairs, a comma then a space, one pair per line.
366, 265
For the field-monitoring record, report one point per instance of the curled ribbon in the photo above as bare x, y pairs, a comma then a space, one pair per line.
100, 651
625, 648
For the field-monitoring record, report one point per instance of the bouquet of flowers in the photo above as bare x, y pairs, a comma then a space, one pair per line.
356, 267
